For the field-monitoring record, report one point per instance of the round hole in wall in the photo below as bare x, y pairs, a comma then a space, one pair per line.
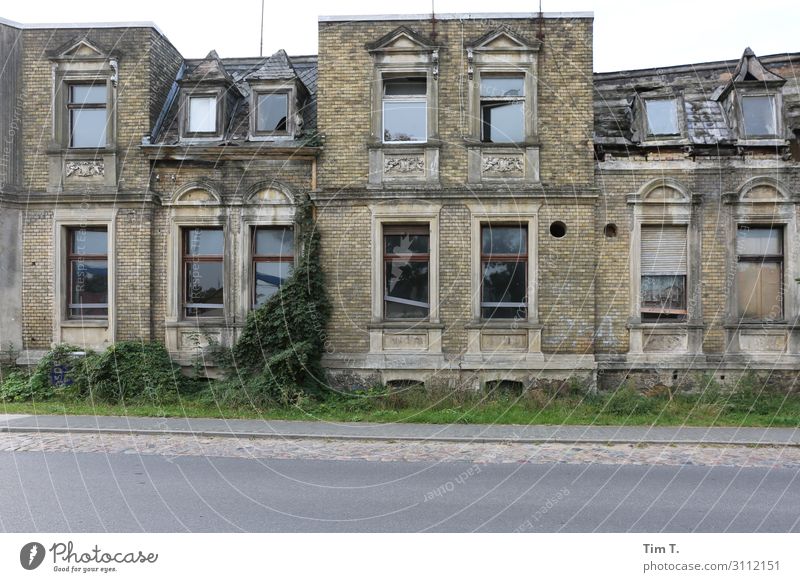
558, 229
610, 230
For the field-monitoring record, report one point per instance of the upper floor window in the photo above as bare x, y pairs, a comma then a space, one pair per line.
405, 109
504, 268
759, 115
87, 116
273, 260
406, 258
662, 117
202, 114
272, 112
87, 268
759, 272
203, 252
663, 272
502, 108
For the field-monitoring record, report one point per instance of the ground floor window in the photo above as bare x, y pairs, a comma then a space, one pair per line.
663, 293
406, 261
203, 271
273, 260
759, 272
87, 266
504, 271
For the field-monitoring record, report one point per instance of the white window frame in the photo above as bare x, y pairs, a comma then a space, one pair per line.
404, 99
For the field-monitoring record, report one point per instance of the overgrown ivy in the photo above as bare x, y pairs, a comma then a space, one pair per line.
282, 344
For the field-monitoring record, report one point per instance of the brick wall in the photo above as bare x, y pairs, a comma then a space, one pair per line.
565, 96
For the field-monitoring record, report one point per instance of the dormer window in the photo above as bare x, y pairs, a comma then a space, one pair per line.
405, 109
203, 114
759, 116
87, 116
662, 117
272, 112
502, 108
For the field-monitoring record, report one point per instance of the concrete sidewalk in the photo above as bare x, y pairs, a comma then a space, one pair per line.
394, 432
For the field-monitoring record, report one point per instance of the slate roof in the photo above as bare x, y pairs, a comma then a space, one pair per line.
238, 73
701, 86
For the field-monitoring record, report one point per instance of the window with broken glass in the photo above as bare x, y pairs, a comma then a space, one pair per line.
88, 118
662, 117
663, 272
87, 264
406, 260
405, 109
203, 252
759, 272
272, 113
273, 260
504, 268
502, 108
759, 116
203, 114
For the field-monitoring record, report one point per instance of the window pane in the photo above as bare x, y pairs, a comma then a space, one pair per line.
759, 115
203, 242
272, 112
406, 289
204, 288
662, 116
89, 288
203, 114
663, 293
81, 94
502, 122
406, 244
274, 242
88, 128
504, 289
498, 86
405, 86
504, 240
269, 277
754, 241
89, 242
758, 289
405, 121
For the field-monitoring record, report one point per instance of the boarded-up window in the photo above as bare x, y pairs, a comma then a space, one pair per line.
759, 274
663, 272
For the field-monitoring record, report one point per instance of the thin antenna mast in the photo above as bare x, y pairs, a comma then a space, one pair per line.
261, 44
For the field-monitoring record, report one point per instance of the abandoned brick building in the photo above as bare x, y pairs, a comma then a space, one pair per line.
489, 209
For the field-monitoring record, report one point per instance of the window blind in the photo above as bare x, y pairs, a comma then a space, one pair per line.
663, 250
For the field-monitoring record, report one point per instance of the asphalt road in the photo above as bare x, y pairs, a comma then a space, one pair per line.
88, 492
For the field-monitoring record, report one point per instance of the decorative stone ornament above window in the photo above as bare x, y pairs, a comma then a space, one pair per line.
404, 148
753, 102
277, 98
207, 96
82, 153
503, 144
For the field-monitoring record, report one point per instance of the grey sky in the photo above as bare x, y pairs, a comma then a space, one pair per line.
627, 33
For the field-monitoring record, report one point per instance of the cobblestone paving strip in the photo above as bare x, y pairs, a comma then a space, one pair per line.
321, 449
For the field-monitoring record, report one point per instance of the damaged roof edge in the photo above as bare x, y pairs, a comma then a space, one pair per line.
690, 67
455, 16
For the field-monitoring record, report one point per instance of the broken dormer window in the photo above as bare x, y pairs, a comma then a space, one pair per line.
272, 112
662, 117
502, 108
405, 109
203, 114
759, 115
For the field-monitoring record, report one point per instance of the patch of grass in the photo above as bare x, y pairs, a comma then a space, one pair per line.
439, 405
